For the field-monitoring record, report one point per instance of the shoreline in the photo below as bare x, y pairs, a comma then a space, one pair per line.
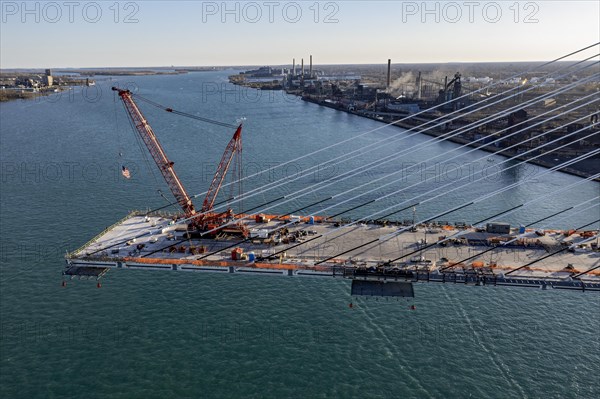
12, 95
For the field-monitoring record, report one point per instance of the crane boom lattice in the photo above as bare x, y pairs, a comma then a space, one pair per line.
234, 147
158, 154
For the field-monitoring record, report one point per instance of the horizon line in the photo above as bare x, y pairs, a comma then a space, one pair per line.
276, 65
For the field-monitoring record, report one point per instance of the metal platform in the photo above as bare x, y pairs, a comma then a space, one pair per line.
306, 248
88, 271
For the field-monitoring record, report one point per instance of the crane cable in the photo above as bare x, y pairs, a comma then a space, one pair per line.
180, 113
143, 150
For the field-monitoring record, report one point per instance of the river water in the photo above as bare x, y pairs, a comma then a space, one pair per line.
147, 334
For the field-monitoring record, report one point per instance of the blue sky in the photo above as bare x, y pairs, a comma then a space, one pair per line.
207, 33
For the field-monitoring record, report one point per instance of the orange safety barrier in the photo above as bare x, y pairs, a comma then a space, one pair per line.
163, 261
275, 266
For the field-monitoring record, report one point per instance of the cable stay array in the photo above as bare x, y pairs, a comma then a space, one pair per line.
359, 252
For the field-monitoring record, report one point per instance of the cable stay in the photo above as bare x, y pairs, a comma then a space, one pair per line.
432, 141
419, 128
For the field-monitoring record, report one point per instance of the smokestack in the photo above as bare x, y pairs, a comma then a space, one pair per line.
389, 77
310, 67
419, 86
445, 89
302, 67
293, 67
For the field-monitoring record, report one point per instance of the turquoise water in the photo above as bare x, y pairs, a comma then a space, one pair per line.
146, 334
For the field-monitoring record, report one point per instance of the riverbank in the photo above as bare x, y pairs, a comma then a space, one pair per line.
22, 94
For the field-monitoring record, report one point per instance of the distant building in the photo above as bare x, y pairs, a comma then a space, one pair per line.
48, 80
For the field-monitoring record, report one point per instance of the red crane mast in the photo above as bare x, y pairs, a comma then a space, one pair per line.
158, 154
233, 147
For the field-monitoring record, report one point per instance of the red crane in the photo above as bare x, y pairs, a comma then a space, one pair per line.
206, 220
158, 154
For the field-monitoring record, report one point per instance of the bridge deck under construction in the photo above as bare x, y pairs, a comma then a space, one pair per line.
308, 247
